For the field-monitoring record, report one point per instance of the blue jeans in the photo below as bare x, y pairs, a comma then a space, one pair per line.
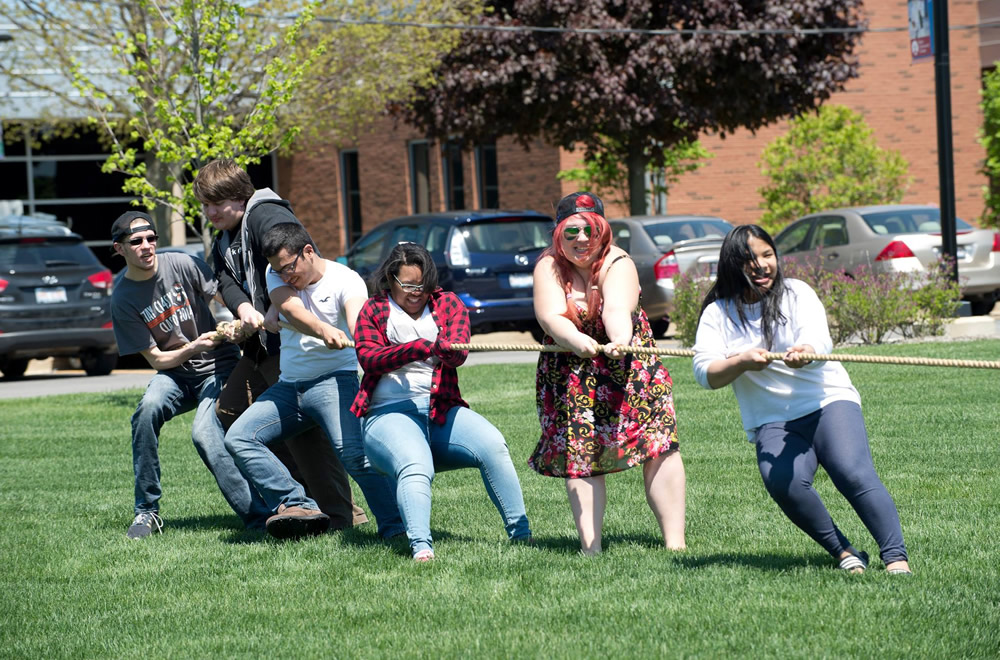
403, 443
172, 394
287, 409
788, 454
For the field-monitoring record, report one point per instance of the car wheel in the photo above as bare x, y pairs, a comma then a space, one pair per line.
981, 307
13, 369
537, 333
660, 327
98, 364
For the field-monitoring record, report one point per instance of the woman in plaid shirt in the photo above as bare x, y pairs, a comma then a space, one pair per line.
414, 419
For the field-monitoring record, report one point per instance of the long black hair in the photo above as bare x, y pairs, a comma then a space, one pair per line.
733, 284
405, 254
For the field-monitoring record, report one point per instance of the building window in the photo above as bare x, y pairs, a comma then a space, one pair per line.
420, 176
486, 176
454, 182
352, 194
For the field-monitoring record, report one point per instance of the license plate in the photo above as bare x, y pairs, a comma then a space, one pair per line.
961, 252
520, 280
53, 295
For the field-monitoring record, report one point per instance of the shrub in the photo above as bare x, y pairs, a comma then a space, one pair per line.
689, 292
864, 307
827, 159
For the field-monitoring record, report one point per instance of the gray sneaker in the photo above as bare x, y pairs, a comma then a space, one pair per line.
144, 524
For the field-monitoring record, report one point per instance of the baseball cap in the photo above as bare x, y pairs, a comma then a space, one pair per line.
121, 227
579, 202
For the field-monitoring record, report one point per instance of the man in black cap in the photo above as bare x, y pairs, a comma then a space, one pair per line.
160, 309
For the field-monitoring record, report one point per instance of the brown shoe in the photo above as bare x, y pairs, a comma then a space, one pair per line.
292, 522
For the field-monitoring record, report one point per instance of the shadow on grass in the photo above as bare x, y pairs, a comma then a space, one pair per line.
757, 562
361, 536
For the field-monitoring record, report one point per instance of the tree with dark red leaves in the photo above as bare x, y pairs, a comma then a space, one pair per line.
731, 64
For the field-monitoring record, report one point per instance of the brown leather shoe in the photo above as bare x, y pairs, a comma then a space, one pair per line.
292, 522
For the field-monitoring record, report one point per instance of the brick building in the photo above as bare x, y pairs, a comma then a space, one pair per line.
394, 171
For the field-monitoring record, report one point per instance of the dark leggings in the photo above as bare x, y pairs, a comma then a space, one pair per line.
788, 454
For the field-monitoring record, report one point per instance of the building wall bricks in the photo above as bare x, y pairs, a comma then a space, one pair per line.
896, 98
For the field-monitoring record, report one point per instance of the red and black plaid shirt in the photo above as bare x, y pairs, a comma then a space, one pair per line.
378, 356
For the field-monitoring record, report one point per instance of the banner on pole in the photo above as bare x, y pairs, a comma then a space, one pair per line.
921, 29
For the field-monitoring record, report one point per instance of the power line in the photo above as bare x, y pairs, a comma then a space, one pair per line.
591, 31
625, 31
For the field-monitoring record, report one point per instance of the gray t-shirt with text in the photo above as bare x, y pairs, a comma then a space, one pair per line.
169, 310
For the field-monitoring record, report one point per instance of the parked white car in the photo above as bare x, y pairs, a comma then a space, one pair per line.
897, 238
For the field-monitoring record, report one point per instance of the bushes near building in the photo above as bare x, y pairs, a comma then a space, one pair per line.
867, 308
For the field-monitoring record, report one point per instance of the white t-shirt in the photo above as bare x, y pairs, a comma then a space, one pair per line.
776, 393
413, 380
304, 357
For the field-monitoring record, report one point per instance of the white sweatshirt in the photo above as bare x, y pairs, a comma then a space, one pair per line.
777, 393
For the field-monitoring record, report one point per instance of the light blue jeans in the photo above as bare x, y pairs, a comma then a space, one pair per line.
172, 394
402, 442
287, 409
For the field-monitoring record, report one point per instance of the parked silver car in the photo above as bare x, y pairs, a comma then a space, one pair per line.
897, 238
666, 245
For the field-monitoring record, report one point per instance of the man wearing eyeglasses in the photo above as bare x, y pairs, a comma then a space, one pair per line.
242, 215
159, 309
318, 301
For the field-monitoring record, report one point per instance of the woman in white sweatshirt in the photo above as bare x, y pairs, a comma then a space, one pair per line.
799, 414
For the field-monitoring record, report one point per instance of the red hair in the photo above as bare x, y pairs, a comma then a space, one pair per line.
600, 243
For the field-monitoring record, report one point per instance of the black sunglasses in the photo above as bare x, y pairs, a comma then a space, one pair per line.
136, 242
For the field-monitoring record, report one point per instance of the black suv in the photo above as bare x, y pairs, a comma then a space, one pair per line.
55, 298
485, 256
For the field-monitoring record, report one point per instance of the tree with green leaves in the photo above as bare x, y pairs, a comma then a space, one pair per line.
644, 74
173, 84
827, 159
604, 172
989, 137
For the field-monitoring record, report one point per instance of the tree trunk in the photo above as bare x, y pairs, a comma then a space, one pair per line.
636, 161
156, 173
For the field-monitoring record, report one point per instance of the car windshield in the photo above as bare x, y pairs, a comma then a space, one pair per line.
507, 235
41, 253
913, 221
674, 231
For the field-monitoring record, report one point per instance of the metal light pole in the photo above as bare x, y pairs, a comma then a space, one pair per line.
946, 165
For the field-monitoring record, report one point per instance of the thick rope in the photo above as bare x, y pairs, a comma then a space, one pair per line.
221, 331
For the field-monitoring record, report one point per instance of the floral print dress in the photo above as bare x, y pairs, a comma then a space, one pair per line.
602, 414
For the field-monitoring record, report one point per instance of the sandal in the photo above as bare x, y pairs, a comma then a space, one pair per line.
853, 562
899, 571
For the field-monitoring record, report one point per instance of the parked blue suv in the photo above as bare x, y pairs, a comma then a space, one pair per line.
486, 257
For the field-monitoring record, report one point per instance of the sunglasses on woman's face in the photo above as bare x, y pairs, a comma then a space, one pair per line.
570, 233
409, 288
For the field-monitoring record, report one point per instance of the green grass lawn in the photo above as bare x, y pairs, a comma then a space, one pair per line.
751, 584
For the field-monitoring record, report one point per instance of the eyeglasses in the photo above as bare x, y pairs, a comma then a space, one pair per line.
288, 269
409, 288
570, 233
136, 242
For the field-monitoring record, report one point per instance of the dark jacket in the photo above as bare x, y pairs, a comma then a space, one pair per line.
241, 269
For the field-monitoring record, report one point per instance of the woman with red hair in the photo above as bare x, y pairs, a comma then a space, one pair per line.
601, 412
